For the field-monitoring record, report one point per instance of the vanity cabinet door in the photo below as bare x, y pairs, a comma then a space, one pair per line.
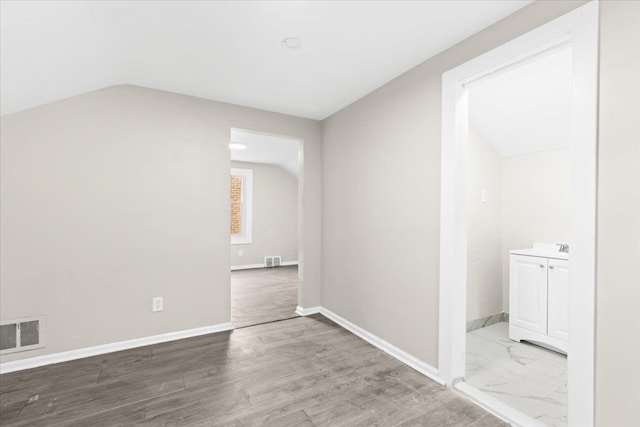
558, 295
528, 293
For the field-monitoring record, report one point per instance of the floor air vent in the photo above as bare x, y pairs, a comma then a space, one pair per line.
22, 334
272, 261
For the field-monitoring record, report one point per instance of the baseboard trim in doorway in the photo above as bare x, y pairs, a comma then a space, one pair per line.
393, 351
81, 353
496, 407
483, 322
251, 266
246, 267
307, 311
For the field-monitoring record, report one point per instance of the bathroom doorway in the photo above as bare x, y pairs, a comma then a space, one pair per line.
264, 227
576, 31
517, 210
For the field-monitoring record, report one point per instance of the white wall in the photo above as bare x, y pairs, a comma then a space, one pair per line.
618, 255
116, 196
484, 228
535, 204
528, 201
275, 216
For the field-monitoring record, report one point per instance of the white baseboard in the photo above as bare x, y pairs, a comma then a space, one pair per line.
250, 266
496, 407
307, 311
48, 359
401, 355
246, 267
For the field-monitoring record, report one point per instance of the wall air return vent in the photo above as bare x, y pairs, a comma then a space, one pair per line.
26, 333
272, 261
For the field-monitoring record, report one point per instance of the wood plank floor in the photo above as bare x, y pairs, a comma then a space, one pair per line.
305, 371
261, 295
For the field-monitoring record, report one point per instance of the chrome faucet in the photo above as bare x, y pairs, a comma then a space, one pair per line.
564, 247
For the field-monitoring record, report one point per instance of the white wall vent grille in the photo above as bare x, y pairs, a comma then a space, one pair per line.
26, 333
272, 261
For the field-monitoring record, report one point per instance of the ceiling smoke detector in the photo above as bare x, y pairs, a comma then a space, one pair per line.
291, 43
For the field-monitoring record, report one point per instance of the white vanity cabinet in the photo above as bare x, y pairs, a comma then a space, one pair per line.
558, 300
539, 296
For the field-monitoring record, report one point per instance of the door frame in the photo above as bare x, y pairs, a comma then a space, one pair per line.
579, 30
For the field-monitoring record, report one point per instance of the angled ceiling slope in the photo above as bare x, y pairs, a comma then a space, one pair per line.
228, 51
269, 149
526, 109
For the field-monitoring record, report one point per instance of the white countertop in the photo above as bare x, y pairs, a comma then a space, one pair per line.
545, 250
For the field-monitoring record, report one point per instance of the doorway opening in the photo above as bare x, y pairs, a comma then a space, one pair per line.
264, 227
575, 34
517, 209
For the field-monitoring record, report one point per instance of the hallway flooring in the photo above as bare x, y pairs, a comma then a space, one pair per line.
261, 295
305, 371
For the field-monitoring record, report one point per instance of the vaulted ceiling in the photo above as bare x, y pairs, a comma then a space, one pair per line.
229, 51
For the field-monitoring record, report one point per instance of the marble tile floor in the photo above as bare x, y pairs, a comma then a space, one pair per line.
526, 377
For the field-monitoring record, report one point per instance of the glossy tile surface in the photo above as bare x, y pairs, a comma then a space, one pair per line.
483, 322
528, 378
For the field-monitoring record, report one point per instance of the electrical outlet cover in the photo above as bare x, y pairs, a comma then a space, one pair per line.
157, 304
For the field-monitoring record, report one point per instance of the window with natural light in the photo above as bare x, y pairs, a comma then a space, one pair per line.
240, 205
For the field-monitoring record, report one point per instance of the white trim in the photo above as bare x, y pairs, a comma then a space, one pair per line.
494, 406
579, 29
307, 311
393, 351
250, 266
582, 220
246, 267
48, 359
245, 237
